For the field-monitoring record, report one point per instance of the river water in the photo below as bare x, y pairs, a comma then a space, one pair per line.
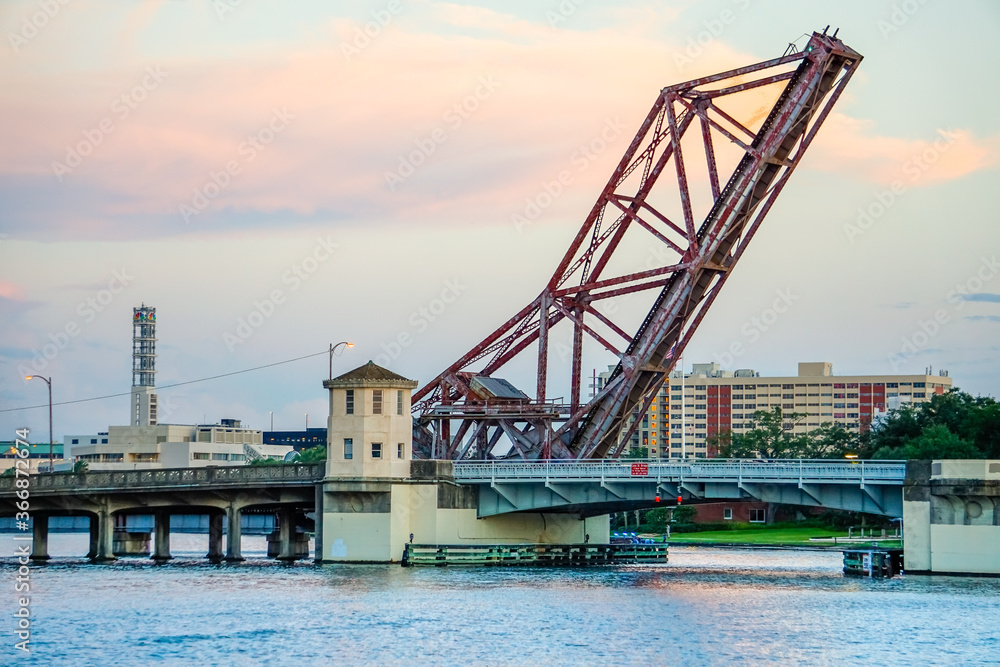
706, 607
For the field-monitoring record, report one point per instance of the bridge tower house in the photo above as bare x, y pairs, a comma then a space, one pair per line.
375, 498
369, 430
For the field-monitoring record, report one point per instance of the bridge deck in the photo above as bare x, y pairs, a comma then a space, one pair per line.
705, 470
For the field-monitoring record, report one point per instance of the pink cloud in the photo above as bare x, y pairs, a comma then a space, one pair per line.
11, 291
850, 146
355, 119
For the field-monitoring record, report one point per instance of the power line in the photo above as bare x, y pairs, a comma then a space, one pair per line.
167, 386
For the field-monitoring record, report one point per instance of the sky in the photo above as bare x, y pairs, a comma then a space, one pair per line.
275, 177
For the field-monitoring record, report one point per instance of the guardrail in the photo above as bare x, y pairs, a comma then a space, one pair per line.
226, 476
711, 470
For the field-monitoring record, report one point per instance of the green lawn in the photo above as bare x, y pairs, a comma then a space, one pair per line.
765, 536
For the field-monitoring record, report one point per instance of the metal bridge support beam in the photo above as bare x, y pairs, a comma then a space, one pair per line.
40, 538
235, 533
161, 550
214, 537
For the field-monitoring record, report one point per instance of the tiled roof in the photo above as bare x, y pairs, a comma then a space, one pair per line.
371, 372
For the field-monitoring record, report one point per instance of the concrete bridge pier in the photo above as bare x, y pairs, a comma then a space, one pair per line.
235, 533
40, 538
214, 537
286, 535
102, 531
92, 550
318, 529
161, 549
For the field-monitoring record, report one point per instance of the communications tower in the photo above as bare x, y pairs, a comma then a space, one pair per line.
143, 397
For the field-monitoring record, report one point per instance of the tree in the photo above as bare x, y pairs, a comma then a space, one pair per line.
637, 453
81, 466
770, 437
657, 519
682, 518
264, 461
934, 442
312, 455
829, 441
952, 425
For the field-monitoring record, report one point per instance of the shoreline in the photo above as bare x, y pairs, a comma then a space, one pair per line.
783, 547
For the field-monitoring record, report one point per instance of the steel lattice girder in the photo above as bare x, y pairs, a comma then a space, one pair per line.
702, 257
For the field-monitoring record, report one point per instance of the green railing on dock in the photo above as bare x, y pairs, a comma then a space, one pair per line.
552, 555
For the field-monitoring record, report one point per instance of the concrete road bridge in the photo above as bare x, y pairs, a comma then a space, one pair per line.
221, 493
951, 509
582, 488
598, 487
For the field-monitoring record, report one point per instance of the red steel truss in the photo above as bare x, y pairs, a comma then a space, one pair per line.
456, 419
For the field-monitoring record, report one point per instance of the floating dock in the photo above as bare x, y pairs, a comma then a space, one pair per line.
545, 555
877, 563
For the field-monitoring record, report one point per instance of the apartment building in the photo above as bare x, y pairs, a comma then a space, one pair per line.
688, 410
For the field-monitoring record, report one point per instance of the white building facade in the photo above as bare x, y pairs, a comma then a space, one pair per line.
172, 446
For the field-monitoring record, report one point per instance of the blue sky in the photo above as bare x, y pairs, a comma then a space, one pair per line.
284, 124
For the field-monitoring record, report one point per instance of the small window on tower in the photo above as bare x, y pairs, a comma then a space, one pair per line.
376, 401
349, 406
399, 402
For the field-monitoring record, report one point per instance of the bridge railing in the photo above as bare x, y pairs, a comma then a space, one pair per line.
169, 477
739, 470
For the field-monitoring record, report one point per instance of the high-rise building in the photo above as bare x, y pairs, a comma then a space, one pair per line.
688, 411
143, 398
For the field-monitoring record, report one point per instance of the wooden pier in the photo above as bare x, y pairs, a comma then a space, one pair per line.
545, 555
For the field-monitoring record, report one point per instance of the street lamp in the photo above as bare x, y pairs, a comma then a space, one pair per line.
333, 348
48, 381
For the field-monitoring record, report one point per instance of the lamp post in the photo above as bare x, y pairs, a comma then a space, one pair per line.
333, 348
48, 381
